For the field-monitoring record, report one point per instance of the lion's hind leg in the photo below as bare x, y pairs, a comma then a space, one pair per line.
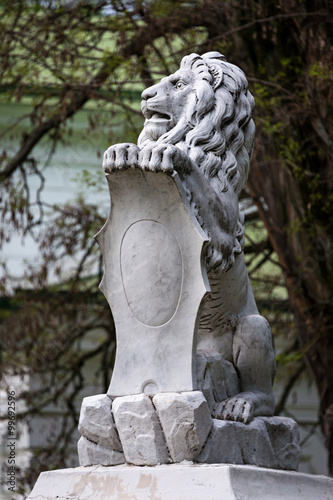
254, 360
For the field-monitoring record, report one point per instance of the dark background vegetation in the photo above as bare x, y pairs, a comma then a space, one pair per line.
63, 56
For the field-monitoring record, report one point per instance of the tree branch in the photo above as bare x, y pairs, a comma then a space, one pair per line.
74, 101
293, 379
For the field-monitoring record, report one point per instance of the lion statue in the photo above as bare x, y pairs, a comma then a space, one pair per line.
198, 123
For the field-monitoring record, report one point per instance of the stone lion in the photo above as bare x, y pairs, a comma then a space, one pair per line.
198, 123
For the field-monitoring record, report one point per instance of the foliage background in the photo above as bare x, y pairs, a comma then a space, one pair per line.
61, 57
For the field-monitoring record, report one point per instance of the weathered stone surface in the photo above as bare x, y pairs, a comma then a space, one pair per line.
217, 378
139, 430
96, 454
284, 436
153, 247
186, 422
255, 444
270, 442
96, 421
176, 281
222, 445
153, 281
180, 482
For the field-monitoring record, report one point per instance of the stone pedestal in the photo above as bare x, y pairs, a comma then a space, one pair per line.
180, 482
172, 427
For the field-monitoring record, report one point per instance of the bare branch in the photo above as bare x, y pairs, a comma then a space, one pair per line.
291, 382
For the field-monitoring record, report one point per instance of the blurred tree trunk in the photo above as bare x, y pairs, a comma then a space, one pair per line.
292, 175
307, 265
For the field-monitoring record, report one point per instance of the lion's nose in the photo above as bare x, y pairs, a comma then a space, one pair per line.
149, 93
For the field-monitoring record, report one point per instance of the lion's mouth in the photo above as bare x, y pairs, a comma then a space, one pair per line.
156, 116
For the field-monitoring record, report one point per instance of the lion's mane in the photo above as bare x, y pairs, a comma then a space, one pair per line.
216, 131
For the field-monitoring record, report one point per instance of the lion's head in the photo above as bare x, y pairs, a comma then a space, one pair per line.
205, 109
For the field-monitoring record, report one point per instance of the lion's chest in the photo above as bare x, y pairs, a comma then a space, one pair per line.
230, 298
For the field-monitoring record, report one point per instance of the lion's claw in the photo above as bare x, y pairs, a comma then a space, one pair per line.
154, 157
120, 157
236, 408
160, 157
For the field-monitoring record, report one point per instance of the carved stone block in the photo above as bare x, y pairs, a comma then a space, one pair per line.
186, 422
96, 454
139, 430
217, 378
270, 442
284, 436
255, 444
222, 445
96, 421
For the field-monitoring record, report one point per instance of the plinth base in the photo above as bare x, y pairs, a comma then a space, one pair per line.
183, 481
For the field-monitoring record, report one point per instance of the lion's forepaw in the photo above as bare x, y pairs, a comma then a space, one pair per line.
236, 408
121, 157
160, 157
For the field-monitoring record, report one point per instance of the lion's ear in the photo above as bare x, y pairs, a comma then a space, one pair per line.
216, 71
220, 77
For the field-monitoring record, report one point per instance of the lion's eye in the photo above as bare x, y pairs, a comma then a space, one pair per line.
180, 85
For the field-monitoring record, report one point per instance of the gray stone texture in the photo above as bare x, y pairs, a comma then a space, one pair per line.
189, 334
139, 430
96, 421
180, 482
186, 422
284, 436
222, 445
97, 454
271, 442
153, 281
217, 378
255, 444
